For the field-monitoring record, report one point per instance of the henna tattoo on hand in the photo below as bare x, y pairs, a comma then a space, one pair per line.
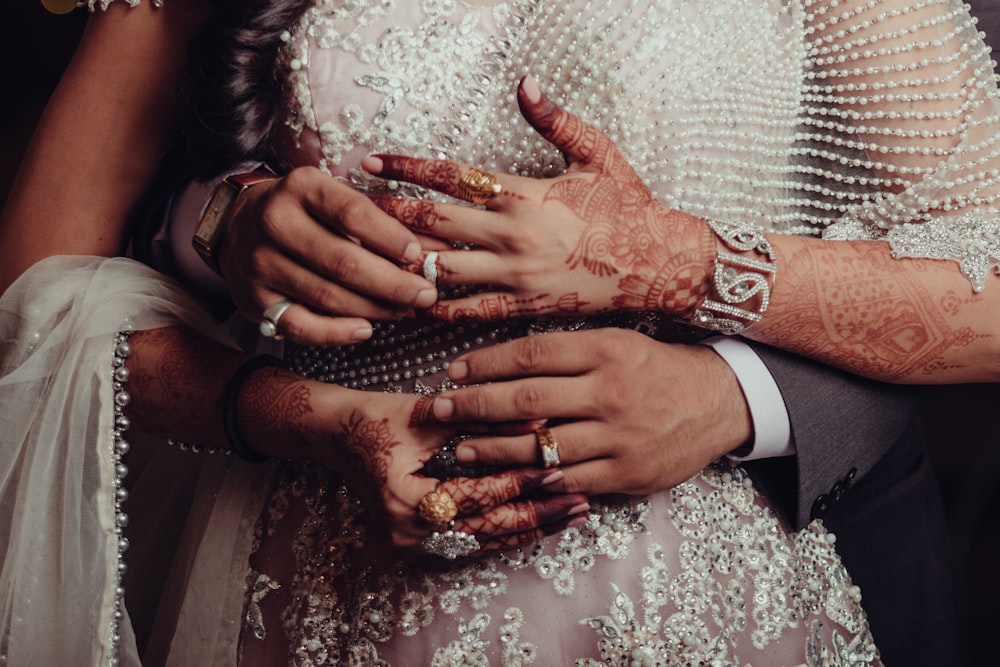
174, 393
422, 413
369, 445
853, 311
665, 256
417, 214
271, 402
502, 307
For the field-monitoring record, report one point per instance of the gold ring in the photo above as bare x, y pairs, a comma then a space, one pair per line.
478, 186
437, 507
549, 447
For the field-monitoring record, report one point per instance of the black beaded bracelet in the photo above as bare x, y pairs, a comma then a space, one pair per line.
232, 394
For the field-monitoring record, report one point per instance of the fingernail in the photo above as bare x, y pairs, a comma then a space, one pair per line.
553, 477
426, 298
576, 522
372, 164
459, 370
530, 88
578, 509
363, 333
444, 408
465, 454
413, 253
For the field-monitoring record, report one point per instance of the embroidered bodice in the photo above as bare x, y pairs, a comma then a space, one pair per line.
806, 116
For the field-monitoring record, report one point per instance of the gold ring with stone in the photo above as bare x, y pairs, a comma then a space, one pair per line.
548, 446
478, 186
437, 507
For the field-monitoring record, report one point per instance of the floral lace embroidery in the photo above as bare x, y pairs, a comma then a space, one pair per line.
738, 575
396, 69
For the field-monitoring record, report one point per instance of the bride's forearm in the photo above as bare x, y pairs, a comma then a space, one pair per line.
852, 305
178, 384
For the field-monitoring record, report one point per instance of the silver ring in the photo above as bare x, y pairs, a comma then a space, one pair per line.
451, 544
269, 325
430, 267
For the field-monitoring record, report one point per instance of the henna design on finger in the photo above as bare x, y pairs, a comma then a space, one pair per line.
484, 493
579, 142
503, 307
416, 214
524, 538
526, 516
423, 412
440, 175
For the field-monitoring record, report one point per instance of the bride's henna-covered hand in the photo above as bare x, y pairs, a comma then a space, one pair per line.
633, 415
590, 240
380, 442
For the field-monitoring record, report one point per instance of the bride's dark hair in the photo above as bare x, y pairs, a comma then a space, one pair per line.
235, 88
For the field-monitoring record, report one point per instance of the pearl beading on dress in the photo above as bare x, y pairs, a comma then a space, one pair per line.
849, 119
119, 450
396, 355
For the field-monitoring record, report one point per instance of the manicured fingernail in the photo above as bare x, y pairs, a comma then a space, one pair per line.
530, 88
578, 509
363, 333
553, 477
413, 253
372, 164
576, 522
444, 408
465, 454
426, 298
459, 370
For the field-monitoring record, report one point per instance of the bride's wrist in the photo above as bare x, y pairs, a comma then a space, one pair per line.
737, 290
276, 413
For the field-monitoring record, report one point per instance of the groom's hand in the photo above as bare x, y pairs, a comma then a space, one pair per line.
629, 414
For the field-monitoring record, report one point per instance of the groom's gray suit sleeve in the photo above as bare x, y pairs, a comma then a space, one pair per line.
841, 425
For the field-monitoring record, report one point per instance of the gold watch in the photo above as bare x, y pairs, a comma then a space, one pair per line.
208, 235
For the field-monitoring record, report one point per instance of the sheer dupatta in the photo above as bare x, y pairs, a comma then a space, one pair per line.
59, 526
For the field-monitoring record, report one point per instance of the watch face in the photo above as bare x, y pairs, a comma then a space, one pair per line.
213, 223
210, 227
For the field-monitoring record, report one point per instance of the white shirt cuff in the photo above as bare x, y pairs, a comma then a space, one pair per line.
772, 429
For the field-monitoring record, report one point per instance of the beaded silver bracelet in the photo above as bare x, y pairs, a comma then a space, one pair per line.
741, 285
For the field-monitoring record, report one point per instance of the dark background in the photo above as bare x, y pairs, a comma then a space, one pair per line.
963, 423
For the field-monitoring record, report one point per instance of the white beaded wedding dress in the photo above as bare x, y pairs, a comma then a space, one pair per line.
851, 118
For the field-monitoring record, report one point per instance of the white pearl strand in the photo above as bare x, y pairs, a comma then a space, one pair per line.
119, 450
396, 357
